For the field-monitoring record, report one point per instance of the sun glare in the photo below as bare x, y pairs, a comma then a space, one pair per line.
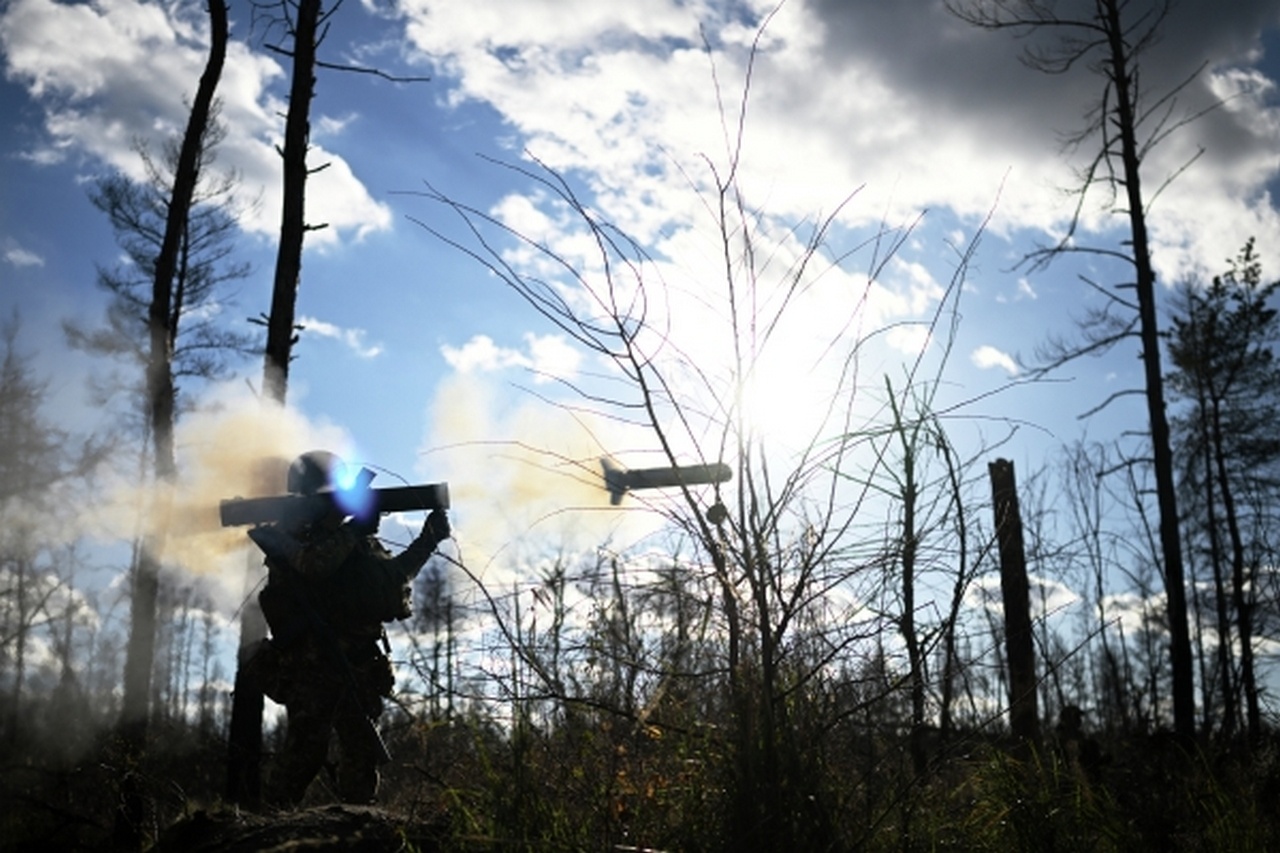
789, 399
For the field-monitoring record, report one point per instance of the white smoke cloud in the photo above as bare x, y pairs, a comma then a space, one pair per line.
233, 445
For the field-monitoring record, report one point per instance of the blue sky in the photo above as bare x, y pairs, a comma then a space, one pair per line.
412, 347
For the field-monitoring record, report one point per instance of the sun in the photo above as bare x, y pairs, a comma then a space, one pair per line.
792, 397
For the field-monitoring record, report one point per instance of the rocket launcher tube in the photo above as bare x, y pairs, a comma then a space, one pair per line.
300, 508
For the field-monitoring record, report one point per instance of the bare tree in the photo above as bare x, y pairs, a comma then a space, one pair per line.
39, 463
1019, 641
305, 22
1111, 37
1088, 504
161, 411
785, 550
36, 454
929, 535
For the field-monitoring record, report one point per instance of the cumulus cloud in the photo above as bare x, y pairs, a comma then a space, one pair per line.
1023, 289
1047, 597
353, 339
1133, 613
481, 354
548, 357
902, 102
327, 125
987, 356
109, 75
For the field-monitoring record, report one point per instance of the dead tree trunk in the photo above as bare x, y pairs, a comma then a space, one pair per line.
1024, 717
244, 757
281, 333
1126, 123
162, 328
1100, 27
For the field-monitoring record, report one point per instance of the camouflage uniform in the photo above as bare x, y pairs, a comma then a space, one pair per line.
326, 602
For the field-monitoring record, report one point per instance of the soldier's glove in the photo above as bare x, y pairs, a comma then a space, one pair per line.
437, 526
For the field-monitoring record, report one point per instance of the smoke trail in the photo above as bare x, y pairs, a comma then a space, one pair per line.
524, 477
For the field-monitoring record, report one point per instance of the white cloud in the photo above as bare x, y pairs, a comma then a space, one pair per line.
628, 93
624, 96
327, 125
114, 72
1046, 597
900, 101
20, 257
1023, 290
353, 339
987, 356
1132, 613
548, 357
1050, 597
909, 338
481, 355
552, 357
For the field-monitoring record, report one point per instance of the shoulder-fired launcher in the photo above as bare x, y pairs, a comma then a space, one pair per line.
359, 501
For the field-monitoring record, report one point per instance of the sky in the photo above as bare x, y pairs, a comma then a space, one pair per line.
895, 119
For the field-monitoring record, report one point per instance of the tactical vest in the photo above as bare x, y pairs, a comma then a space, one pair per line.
354, 599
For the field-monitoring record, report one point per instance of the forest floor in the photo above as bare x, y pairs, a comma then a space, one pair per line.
364, 829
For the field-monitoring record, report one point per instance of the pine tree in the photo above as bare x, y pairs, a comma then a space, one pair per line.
201, 342
1225, 369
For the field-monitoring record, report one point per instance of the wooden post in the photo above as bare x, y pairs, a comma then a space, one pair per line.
1024, 718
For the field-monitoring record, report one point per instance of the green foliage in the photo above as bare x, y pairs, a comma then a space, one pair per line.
1002, 802
597, 784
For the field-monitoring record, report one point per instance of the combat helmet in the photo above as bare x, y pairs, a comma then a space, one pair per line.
313, 472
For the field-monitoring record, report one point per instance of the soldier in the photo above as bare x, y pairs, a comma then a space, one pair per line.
330, 587
1080, 751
